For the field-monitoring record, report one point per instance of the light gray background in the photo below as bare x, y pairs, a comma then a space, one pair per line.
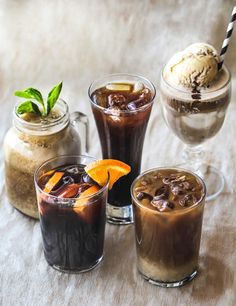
44, 42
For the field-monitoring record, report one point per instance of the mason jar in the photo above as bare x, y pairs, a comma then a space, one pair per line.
30, 142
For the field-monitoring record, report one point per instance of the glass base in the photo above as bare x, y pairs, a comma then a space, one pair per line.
77, 271
170, 284
211, 176
119, 215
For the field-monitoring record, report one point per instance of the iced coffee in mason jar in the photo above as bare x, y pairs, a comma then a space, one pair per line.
35, 137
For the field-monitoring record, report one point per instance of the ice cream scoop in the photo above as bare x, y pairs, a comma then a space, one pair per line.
195, 66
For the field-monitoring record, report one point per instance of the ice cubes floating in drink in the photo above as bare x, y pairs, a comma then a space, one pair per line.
122, 110
122, 96
168, 190
72, 217
68, 182
168, 210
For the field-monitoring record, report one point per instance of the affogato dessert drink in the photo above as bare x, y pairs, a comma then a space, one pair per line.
168, 211
195, 95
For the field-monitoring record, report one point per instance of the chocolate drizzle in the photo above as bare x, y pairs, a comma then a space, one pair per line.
196, 94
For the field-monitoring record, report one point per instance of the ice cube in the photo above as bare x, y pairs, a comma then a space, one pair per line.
115, 118
118, 87
188, 200
162, 205
113, 111
73, 170
86, 179
67, 180
176, 189
144, 195
136, 104
117, 100
132, 106
138, 86
162, 192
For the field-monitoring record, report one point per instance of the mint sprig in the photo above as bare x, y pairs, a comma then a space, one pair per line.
28, 107
53, 96
38, 105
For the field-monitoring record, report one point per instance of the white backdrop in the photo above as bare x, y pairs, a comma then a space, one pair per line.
45, 41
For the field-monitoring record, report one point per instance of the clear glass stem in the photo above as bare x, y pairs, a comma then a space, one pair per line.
193, 156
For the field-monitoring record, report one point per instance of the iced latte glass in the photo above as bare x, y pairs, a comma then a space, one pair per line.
121, 104
168, 212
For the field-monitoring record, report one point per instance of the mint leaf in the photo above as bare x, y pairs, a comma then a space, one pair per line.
28, 107
23, 94
31, 93
53, 96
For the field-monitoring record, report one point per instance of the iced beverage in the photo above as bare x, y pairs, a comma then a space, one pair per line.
195, 94
121, 105
168, 211
72, 214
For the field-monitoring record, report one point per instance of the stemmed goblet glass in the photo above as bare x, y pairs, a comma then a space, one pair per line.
195, 118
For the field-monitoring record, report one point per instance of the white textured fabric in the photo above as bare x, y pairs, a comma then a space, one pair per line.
43, 42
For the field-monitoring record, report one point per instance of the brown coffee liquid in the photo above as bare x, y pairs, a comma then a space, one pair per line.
73, 235
121, 113
168, 221
168, 190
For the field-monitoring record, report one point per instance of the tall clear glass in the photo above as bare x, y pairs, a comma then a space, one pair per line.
168, 243
194, 118
122, 135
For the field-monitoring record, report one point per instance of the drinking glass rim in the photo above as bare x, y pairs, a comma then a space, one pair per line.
64, 200
182, 91
179, 211
120, 75
34, 125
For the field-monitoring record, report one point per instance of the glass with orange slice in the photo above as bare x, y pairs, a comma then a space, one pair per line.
72, 197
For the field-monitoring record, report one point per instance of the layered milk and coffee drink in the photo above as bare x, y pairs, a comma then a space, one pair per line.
195, 94
168, 211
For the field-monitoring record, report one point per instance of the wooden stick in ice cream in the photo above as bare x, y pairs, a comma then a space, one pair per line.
227, 38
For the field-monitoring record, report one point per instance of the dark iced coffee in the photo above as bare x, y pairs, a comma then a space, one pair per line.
72, 215
121, 106
168, 211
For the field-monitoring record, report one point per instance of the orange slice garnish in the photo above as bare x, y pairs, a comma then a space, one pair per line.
53, 181
47, 174
99, 170
82, 200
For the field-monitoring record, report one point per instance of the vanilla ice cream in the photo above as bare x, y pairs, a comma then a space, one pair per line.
195, 94
195, 66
